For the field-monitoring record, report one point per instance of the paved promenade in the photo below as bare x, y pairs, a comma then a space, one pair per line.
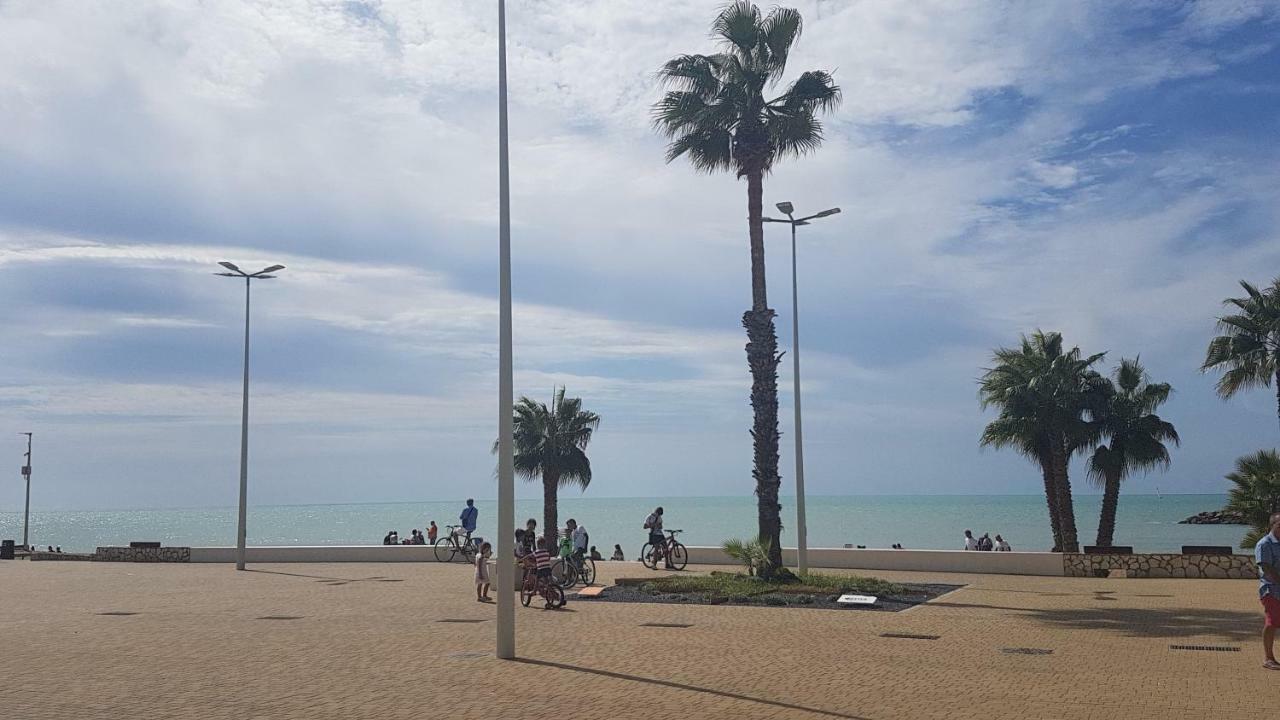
382, 641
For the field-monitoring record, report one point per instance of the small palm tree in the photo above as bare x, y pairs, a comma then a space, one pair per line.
1248, 349
550, 445
717, 114
1042, 393
1135, 436
753, 554
1256, 495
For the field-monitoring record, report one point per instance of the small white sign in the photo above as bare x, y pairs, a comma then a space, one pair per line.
857, 599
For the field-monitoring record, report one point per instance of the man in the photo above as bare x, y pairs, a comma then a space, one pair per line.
579, 536
653, 524
969, 542
984, 542
1267, 556
468, 518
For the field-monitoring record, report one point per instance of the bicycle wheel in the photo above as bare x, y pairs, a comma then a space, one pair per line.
587, 573
468, 552
554, 595
562, 573
445, 550
647, 558
527, 589
679, 556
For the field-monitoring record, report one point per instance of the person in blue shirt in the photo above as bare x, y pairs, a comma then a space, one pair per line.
1267, 556
468, 518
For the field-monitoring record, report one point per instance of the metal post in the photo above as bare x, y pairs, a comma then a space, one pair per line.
802, 539
506, 621
26, 512
244, 440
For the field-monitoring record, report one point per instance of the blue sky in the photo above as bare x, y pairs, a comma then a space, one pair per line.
1101, 169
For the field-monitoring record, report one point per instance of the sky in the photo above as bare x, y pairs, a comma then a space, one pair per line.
1106, 170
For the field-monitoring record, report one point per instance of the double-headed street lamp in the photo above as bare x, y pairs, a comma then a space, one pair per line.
263, 274
802, 540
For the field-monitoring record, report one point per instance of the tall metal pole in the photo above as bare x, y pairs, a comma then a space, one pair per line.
244, 440
26, 513
506, 624
802, 531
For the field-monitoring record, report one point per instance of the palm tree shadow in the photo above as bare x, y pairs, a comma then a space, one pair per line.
691, 688
322, 578
1165, 623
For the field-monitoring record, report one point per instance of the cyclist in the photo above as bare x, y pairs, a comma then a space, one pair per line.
540, 562
653, 524
468, 518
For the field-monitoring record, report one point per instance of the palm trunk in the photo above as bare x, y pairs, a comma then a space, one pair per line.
1066, 509
1051, 497
550, 519
762, 357
1278, 392
1110, 501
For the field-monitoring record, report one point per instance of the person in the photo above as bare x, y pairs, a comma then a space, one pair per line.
617, 553
432, 532
1001, 545
419, 538
984, 542
522, 547
530, 535
387, 540
1266, 554
565, 547
969, 542
482, 572
653, 524
58, 549
541, 560
580, 538
468, 517
595, 554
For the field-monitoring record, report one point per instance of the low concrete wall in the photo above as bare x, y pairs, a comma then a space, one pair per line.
148, 555
1162, 565
46, 555
953, 561
317, 553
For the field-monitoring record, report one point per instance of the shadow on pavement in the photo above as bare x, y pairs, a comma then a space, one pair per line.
334, 580
692, 688
1171, 623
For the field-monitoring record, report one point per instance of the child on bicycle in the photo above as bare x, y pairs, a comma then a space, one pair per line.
539, 561
482, 572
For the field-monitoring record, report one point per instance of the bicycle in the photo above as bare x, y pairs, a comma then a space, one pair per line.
675, 554
548, 589
569, 571
448, 547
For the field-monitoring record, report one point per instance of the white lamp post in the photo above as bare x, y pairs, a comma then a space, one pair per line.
506, 621
802, 531
264, 274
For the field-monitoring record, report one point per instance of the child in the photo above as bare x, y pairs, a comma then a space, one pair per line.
617, 553
482, 573
541, 559
431, 533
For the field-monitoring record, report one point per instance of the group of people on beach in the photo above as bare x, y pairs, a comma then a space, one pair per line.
985, 542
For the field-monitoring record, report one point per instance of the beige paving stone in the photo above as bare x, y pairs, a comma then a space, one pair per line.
368, 644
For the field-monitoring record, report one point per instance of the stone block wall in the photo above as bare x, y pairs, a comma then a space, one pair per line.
1161, 565
129, 554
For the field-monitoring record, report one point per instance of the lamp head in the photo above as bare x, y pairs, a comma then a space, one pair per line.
230, 266
786, 208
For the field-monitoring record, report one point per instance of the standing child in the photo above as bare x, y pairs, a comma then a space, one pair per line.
482, 573
431, 533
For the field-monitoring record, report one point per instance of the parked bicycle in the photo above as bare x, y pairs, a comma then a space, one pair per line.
452, 544
675, 554
574, 569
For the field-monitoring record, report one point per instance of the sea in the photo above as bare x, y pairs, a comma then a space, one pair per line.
1147, 522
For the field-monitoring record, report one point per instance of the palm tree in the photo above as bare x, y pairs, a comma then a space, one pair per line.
551, 444
1135, 436
1256, 495
1042, 393
1248, 348
717, 115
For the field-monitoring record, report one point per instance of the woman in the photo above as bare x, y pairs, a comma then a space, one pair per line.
617, 553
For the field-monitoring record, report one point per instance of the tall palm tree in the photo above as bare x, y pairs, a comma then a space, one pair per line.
1256, 494
717, 114
1248, 349
1135, 436
1042, 393
550, 445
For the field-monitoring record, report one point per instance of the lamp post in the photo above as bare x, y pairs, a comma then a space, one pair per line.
505, 646
263, 274
802, 539
26, 512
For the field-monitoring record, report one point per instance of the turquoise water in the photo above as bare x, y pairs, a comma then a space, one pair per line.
1147, 522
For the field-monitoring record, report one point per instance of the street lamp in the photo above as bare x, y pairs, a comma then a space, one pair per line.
505, 643
26, 512
263, 274
802, 539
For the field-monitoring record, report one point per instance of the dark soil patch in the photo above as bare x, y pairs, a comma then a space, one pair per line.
912, 594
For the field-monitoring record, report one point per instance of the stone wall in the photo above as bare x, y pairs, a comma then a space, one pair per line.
1164, 565
46, 555
129, 554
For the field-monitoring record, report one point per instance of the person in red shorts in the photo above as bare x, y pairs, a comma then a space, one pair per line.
1267, 556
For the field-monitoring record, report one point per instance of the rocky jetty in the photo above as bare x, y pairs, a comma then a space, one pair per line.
1214, 517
